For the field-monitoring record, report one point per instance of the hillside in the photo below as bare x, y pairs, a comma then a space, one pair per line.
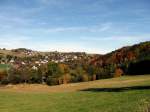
124, 57
136, 52
125, 94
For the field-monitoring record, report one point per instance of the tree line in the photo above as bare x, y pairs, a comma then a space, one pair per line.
54, 74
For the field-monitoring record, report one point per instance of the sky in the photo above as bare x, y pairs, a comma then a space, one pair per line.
92, 26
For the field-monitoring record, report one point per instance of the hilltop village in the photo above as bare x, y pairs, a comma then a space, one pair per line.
27, 66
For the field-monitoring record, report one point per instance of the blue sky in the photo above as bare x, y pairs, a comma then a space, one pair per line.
93, 26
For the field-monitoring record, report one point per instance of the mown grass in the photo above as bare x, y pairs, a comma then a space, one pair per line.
133, 98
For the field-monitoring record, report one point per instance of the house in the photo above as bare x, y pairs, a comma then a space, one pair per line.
44, 61
75, 57
23, 63
34, 68
12, 61
37, 62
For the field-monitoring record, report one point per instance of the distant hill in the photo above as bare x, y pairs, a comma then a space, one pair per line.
53, 68
136, 52
124, 56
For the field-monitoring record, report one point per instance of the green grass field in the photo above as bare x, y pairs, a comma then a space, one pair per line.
4, 66
125, 94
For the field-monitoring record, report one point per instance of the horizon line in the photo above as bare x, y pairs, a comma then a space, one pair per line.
61, 51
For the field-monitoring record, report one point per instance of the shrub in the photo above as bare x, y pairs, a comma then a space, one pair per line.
3, 74
85, 78
35, 76
52, 81
118, 72
14, 76
4, 81
66, 78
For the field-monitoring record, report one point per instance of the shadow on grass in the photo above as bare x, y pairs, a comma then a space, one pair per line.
119, 89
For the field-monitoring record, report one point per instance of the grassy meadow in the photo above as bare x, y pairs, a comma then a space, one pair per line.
124, 94
3, 66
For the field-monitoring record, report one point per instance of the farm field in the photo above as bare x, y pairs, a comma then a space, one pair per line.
124, 94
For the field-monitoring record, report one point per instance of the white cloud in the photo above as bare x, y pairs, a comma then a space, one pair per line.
129, 38
102, 27
95, 28
66, 29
